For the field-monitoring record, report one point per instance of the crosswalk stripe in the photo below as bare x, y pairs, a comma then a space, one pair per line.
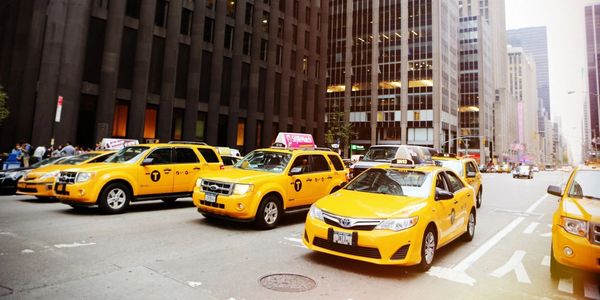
566, 285
591, 290
546, 261
531, 228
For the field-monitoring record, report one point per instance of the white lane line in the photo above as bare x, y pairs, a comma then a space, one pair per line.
295, 242
531, 228
546, 261
548, 234
591, 290
566, 285
515, 263
536, 204
74, 245
27, 251
194, 283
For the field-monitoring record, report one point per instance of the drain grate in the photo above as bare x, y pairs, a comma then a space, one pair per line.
288, 283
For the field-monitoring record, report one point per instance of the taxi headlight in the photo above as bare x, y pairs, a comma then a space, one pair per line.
199, 182
83, 177
16, 175
49, 175
397, 224
242, 189
574, 226
315, 212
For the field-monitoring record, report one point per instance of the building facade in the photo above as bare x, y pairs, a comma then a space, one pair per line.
231, 73
393, 70
592, 26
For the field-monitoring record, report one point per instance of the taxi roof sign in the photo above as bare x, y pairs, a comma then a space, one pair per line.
403, 163
290, 140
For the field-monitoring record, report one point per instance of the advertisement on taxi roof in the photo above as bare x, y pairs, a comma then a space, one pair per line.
295, 140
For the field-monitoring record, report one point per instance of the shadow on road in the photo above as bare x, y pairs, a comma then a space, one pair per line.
133, 208
48, 200
287, 220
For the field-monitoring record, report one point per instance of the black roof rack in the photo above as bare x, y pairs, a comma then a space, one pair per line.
188, 143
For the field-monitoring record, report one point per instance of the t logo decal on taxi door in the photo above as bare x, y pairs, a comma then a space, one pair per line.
298, 185
155, 176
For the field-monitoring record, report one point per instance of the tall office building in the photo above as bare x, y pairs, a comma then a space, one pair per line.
393, 69
523, 87
231, 73
534, 41
592, 26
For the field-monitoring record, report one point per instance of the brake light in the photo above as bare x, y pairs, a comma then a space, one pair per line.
222, 167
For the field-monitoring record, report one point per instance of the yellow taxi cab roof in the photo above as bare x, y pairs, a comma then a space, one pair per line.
171, 144
302, 150
421, 168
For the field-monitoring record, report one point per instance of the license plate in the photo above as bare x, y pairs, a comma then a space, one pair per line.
342, 238
210, 197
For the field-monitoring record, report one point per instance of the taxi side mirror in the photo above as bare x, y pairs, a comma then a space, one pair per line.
295, 171
555, 191
471, 174
147, 161
443, 195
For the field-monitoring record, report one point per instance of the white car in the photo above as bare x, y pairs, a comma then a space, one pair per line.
523, 171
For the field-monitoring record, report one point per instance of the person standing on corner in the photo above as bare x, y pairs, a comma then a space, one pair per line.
68, 149
38, 154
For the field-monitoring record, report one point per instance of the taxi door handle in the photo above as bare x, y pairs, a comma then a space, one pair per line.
167, 170
329, 177
468, 195
196, 168
455, 202
307, 180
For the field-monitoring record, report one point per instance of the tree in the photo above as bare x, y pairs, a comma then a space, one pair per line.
3, 110
339, 131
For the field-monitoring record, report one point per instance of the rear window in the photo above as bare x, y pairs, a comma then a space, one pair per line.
337, 162
209, 155
319, 164
185, 156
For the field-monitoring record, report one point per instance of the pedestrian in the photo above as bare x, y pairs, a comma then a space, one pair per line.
26, 154
38, 154
17, 153
69, 149
57, 152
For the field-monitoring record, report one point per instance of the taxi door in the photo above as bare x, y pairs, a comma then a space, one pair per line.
321, 176
462, 194
300, 187
445, 210
186, 168
339, 170
156, 173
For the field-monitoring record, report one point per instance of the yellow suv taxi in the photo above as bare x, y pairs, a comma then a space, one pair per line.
267, 182
39, 182
137, 173
467, 169
576, 223
393, 215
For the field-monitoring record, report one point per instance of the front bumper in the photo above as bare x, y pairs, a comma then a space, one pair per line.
586, 256
39, 189
383, 247
236, 207
75, 194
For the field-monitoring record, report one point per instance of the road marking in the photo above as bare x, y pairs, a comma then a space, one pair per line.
295, 242
548, 234
27, 251
591, 290
451, 275
531, 228
515, 263
536, 204
566, 285
74, 245
546, 261
194, 283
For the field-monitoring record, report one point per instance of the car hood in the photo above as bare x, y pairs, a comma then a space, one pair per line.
96, 167
583, 209
39, 172
370, 205
236, 175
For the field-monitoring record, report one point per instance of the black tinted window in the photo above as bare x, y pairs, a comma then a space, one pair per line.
454, 183
209, 155
185, 156
229, 161
161, 156
471, 168
302, 162
440, 182
337, 162
319, 164
101, 158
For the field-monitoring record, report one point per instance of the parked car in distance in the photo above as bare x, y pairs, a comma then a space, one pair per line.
523, 171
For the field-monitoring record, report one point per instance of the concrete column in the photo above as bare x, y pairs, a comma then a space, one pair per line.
404, 73
236, 75
251, 119
110, 69
71, 72
267, 129
165, 111
375, 72
348, 68
320, 138
214, 103
49, 72
286, 74
141, 71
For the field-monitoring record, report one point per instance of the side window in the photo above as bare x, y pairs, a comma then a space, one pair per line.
471, 168
185, 156
337, 162
161, 156
101, 158
319, 164
440, 182
454, 183
209, 155
303, 162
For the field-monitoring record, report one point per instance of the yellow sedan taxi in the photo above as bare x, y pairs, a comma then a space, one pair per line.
576, 223
467, 169
393, 215
39, 182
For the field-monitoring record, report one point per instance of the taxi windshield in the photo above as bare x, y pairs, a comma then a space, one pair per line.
127, 155
380, 154
585, 185
268, 161
77, 159
393, 182
45, 162
454, 165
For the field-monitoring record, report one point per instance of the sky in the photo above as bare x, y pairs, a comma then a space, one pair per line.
565, 23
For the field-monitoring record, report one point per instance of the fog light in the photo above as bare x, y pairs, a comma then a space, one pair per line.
568, 251
240, 206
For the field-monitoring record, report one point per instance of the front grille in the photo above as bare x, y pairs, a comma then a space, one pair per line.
595, 233
28, 190
352, 250
212, 204
350, 223
217, 187
67, 177
401, 253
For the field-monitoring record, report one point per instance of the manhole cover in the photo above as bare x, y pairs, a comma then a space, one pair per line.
288, 283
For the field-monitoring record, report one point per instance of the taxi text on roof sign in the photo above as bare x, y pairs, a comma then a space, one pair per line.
295, 140
117, 144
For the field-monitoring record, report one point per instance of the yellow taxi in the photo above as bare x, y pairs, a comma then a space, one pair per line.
39, 182
576, 223
467, 169
268, 182
137, 173
397, 214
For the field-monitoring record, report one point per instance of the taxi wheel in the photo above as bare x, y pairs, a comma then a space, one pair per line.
478, 200
470, 233
268, 214
114, 198
427, 249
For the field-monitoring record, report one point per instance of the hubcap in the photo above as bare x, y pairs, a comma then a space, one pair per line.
429, 247
116, 198
471, 224
271, 212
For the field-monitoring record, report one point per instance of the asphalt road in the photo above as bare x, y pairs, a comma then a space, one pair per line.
169, 251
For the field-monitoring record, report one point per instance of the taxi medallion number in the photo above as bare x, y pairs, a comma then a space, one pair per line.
211, 197
342, 238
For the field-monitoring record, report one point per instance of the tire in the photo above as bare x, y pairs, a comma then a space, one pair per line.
514, 176
428, 248
478, 198
471, 222
114, 198
269, 213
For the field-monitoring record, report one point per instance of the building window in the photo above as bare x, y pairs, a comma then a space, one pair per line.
295, 9
306, 40
319, 44
295, 34
280, 25
291, 97
245, 86
318, 21
205, 75
209, 30
249, 14
156, 65
265, 21
94, 50
120, 119
177, 129
223, 130
228, 43
277, 96
262, 92
264, 48
183, 61
231, 8
307, 16
150, 122
304, 99
279, 56
293, 60
133, 9
210, 4
127, 59
305, 65
316, 102
201, 126
241, 128
226, 81
186, 21
282, 5
259, 126
160, 16
247, 46
317, 68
